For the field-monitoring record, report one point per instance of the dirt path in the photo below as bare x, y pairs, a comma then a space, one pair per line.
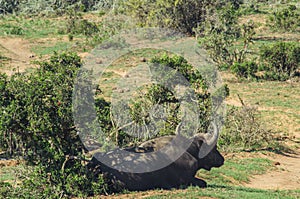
18, 50
285, 176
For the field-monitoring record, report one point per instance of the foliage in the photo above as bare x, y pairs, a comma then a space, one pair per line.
154, 95
38, 7
226, 41
245, 69
8, 6
287, 19
251, 7
10, 29
281, 60
77, 25
174, 14
157, 95
244, 130
36, 118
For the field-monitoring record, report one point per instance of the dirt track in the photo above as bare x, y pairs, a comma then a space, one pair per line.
19, 51
285, 176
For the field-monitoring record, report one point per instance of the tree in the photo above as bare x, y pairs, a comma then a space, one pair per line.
225, 40
37, 112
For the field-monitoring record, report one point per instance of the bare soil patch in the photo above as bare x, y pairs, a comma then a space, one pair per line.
285, 177
9, 163
18, 50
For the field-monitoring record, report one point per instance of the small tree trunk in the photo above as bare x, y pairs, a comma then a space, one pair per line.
10, 144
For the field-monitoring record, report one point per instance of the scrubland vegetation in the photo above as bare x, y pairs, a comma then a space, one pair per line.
254, 44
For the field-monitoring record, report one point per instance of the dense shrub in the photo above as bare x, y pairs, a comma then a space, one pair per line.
36, 118
8, 6
245, 69
77, 25
180, 15
286, 20
197, 82
154, 95
45, 7
226, 41
281, 60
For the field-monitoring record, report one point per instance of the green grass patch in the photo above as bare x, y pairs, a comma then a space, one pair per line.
274, 94
47, 50
3, 60
111, 76
31, 27
8, 174
278, 102
228, 192
236, 171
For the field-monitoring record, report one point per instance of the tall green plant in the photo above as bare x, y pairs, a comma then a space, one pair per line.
282, 60
175, 14
287, 20
159, 95
226, 41
37, 111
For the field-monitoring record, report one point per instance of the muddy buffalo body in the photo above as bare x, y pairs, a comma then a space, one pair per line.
180, 172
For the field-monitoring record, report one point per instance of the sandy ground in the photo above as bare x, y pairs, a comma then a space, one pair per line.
285, 176
18, 50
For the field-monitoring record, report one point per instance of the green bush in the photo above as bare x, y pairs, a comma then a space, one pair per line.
281, 60
38, 7
77, 25
226, 41
16, 31
287, 20
179, 15
153, 95
8, 6
245, 69
160, 95
36, 118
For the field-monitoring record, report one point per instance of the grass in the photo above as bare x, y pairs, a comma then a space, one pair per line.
30, 28
47, 50
112, 74
236, 171
279, 101
222, 182
3, 59
227, 192
8, 173
279, 95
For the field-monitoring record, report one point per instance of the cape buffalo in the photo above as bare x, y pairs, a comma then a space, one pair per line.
180, 172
